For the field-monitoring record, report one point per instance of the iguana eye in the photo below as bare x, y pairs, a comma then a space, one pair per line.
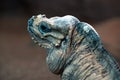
43, 28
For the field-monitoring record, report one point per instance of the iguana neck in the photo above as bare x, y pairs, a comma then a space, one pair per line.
87, 65
89, 61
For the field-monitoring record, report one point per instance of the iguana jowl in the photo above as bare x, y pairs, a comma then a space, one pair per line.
74, 49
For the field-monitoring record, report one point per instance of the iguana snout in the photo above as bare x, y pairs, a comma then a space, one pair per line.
44, 31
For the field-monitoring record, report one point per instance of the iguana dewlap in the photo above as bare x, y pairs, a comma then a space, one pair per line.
74, 49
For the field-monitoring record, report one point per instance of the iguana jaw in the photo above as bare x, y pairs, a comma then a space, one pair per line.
38, 40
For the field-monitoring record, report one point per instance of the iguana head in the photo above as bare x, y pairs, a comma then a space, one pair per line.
48, 33
59, 35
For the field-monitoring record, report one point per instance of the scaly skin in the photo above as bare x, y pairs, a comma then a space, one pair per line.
74, 49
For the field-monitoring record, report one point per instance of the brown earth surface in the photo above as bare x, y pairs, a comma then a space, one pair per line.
21, 59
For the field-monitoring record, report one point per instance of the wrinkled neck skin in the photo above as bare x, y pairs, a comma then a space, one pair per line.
82, 57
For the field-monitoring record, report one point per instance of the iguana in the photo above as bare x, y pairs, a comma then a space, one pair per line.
74, 48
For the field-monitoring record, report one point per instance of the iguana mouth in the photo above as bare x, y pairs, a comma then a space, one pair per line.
41, 41
38, 40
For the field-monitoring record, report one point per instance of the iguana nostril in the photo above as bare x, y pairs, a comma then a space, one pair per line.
30, 21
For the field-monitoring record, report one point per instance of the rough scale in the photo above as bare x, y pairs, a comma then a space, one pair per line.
74, 48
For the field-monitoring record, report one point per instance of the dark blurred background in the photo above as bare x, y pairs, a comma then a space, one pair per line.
20, 59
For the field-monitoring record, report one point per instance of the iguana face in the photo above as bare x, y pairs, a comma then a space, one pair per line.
49, 33
55, 35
